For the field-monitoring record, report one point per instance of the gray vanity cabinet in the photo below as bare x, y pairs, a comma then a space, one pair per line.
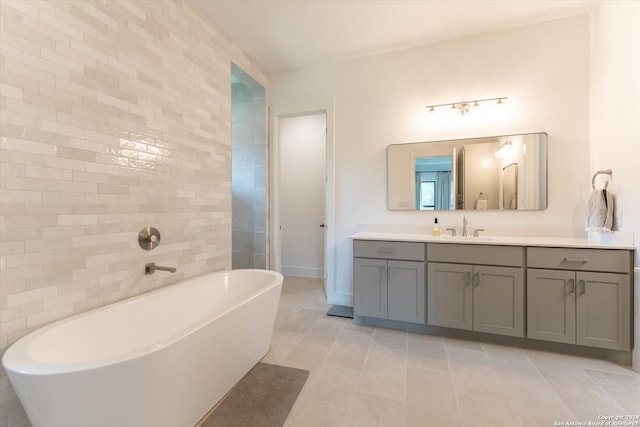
479, 288
449, 295
389, 280
579, 296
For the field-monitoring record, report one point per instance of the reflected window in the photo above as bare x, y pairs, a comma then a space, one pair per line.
427, 195
433, 183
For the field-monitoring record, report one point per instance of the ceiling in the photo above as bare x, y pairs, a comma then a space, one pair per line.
289, 34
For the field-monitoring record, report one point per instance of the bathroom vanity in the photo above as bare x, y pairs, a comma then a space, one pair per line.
560, 290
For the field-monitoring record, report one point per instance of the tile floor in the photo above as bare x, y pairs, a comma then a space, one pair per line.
366, 376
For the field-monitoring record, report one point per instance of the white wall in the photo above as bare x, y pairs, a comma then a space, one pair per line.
380, 100
615, 109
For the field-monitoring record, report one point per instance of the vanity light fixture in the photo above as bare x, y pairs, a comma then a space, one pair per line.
505, 149
464, 107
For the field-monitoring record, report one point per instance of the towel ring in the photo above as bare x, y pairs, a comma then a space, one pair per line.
602, 172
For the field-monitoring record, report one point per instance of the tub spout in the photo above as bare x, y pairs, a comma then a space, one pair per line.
152, 267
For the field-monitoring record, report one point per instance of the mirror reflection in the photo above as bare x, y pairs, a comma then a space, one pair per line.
506, 172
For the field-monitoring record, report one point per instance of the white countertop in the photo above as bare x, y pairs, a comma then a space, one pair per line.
564, 242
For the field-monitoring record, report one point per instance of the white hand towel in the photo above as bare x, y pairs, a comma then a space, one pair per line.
600, 210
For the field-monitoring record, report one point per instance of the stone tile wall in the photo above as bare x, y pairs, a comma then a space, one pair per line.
249, 171
114, 115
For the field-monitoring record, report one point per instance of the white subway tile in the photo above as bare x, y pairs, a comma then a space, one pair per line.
99, 15
116, 277
36, 184
77, 187
64, 300
30, 296
48, 67
62, 197
60, 25
9, 196
92, 261
101, 138
61, 60
48, 173
24, 7
13, 326
49, 316
29, 109
18, 119
77, 219
85, 49
25, 146
56, 127
10, 91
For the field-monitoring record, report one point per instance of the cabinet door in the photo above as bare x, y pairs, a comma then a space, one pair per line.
603, 310
370, 283
449, 295
551, 308
498, 300
406, 291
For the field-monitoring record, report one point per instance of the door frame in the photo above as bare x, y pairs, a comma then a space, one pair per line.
304, 109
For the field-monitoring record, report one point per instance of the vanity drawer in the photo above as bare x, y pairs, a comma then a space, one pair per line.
512, 256
409, 251
580, 259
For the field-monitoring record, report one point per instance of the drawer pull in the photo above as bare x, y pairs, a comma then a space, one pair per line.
577, 260
386, 251
572, 286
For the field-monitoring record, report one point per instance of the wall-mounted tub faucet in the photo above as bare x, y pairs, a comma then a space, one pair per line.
152, 267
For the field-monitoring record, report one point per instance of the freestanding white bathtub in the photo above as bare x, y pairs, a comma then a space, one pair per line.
160, 359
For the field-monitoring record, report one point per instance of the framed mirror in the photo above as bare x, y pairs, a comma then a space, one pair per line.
507, 172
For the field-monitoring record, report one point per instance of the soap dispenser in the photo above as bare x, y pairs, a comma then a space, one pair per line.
436, 228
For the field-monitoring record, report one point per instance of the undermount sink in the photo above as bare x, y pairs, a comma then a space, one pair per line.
467, 238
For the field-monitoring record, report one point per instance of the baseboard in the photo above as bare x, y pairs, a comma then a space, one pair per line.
314, 273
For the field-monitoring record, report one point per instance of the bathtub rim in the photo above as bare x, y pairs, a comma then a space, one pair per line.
13, 364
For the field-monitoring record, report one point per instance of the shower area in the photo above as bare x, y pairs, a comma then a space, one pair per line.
249, 181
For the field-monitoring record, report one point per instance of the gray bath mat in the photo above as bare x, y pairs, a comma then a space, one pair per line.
262, 398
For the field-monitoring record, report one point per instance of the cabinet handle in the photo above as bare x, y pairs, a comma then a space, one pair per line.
383, 272
467, 278
583, 287
572, 285
386, 251
476, 279
577, 260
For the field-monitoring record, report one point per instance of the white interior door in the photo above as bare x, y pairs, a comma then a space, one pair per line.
302, 194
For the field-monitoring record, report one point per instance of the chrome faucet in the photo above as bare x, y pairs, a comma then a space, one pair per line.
464, 226
476, 232
152, 267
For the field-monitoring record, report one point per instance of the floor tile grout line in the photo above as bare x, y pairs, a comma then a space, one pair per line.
353, 398
558, 394
453, 386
